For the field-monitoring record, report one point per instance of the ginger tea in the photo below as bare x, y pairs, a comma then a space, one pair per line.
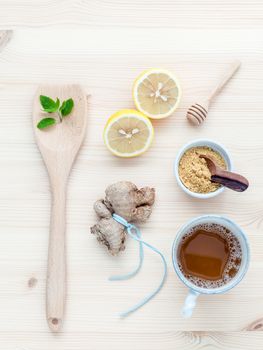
209, 255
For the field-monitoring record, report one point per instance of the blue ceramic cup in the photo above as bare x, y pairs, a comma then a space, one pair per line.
194, 290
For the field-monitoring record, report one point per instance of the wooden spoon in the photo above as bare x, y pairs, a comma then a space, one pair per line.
197, 113
59, 145
226, 178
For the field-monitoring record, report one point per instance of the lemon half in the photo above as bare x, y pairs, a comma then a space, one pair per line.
156, 93
128, 133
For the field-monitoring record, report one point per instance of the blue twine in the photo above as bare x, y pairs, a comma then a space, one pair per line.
141, 256
137, 237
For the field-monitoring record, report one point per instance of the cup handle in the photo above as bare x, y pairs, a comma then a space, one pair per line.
189, 303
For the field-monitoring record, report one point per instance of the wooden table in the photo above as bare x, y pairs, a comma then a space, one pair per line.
103, 45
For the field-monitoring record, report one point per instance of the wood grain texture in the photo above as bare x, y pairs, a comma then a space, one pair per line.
5, 36
121, 39
113, 340
125, 13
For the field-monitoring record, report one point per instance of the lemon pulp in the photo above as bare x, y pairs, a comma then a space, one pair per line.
128, 133
156, 93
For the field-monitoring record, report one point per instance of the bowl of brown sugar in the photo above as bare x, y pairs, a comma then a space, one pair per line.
191, 171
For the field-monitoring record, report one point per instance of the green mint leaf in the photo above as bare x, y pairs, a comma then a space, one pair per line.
66, 107
49, 105
44, 123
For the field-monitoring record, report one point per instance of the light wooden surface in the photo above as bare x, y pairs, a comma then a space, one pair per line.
103, 46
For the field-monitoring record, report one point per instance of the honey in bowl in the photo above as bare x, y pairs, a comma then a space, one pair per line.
209, 255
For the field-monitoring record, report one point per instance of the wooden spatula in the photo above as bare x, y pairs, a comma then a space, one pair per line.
235, 182
59, 145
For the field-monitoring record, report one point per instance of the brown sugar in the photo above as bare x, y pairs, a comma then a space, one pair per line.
194, 172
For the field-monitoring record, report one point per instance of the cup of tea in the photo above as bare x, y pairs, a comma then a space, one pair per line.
210, 256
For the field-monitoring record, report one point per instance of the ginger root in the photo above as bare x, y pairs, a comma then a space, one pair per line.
126, 200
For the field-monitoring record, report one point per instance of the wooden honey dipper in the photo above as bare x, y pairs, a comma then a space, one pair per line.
197, 113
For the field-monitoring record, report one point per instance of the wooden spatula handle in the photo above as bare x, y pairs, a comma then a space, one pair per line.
56, 270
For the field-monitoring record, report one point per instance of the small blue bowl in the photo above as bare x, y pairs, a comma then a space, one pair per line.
202, 143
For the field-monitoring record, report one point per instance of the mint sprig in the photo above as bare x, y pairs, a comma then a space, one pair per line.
50, 106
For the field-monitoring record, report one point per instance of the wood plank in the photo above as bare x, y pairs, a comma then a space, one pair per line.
139, 14
111, 340
105, 62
